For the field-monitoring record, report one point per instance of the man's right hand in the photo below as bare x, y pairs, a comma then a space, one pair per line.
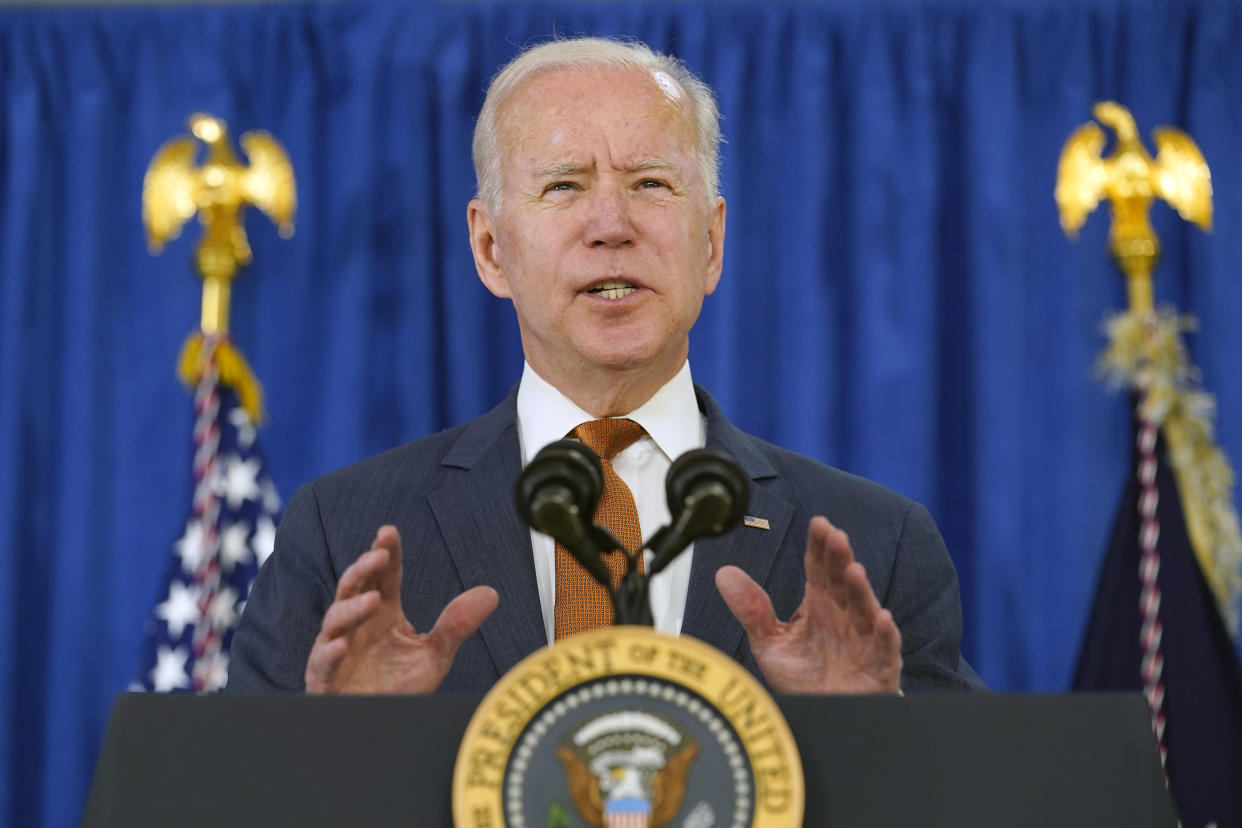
367, 645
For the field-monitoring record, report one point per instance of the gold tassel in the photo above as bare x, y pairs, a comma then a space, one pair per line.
233, 369
1145, 353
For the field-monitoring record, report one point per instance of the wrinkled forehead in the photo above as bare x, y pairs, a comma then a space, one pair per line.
560, 100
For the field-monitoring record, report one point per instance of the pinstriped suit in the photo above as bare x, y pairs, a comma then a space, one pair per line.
451, 497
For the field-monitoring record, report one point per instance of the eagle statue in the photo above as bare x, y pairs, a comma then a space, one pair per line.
1130, 179
174, 189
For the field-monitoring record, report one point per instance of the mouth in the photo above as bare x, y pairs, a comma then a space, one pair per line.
612, 289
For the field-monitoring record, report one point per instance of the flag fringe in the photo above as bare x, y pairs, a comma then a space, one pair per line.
1145, 353
233, 369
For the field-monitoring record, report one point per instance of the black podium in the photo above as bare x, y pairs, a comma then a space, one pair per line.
962, 760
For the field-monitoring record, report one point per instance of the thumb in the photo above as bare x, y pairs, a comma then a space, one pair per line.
749, 604
461, 618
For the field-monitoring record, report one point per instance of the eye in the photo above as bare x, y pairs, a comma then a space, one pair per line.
560, 186
651, 183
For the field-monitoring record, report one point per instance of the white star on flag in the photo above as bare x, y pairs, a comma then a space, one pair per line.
240, 480
264, 540
215, 671
180, 609
169, 673
190, 546
245, 427
222, 611
234, 549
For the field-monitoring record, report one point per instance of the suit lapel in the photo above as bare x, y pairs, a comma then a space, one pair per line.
486, 537
752, 550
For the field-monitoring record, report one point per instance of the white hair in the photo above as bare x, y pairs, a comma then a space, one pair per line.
592, 53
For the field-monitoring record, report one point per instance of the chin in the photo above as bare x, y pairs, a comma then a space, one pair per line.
624, 356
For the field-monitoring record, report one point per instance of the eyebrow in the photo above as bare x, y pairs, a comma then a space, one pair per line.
556, 170
654, 163
573, 168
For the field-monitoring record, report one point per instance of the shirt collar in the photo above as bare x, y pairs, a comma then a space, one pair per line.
671, 417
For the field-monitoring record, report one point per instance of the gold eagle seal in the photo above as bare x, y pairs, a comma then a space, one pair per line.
628, 728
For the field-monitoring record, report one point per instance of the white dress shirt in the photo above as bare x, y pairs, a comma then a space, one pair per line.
674, 425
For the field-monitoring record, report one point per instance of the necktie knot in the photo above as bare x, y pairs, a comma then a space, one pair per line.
609, 437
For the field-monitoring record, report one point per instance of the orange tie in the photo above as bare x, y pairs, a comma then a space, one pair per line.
582, 603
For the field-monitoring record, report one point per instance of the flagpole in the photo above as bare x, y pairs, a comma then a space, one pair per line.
234, 505
1145, 354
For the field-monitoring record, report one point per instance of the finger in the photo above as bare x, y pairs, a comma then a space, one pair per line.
363, 574
390, 576
888, 637
828, 554
343, 617
749, 604
861, 603
459, 620
321, 668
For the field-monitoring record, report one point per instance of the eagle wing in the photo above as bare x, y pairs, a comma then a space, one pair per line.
168, 191
268, 181
583, 788
1080, 176
1182, 177
668, 787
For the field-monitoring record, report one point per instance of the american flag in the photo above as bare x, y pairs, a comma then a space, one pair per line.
229, 534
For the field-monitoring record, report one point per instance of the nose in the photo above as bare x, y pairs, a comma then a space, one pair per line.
609, 223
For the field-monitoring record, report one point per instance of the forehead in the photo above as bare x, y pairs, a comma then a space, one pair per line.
570, 110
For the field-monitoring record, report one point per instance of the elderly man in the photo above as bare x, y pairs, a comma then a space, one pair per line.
598, 216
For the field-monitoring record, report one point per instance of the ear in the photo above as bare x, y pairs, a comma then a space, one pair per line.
483, 244
715, 245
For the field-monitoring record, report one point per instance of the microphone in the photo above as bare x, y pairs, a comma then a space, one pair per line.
557, 494
707, 496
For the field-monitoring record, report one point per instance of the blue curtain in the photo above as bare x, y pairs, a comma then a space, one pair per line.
898, 297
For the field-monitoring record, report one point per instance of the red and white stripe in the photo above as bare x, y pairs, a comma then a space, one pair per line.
1151, 632
208, 673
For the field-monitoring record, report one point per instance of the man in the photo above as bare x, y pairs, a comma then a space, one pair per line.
598, 217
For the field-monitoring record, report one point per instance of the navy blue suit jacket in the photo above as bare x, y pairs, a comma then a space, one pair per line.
451, 497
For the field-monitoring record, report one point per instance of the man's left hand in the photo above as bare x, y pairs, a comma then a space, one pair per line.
840, 640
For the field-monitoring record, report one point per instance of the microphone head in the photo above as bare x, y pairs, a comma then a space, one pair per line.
567, 466
703, 474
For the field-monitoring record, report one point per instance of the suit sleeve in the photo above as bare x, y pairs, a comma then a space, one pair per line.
285, 610
924, 599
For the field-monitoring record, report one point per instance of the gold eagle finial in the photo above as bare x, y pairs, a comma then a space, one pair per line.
1130, 179
174, 190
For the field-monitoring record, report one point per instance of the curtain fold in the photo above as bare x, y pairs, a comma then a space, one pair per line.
898, 297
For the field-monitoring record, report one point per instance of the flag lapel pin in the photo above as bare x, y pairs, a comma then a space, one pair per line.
755, 522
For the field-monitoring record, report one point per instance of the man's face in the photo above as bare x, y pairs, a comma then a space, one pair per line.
606, 240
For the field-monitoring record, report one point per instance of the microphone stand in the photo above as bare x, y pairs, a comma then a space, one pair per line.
706, 511
707, 494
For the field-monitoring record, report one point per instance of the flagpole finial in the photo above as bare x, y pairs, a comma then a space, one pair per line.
218, 191
1130, 179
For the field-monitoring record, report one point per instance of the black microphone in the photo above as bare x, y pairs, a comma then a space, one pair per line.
557, 494
707, 496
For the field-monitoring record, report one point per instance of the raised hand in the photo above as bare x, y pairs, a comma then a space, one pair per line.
840, 640
367, 645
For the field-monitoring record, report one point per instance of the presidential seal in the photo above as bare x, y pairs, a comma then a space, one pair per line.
626, 727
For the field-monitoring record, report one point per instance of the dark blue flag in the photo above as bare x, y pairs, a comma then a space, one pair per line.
1156, 627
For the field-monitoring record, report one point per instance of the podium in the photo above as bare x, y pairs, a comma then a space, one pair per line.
961, 760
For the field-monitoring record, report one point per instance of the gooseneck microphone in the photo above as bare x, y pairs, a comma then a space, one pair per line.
559, 489
707, 496
557, 494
